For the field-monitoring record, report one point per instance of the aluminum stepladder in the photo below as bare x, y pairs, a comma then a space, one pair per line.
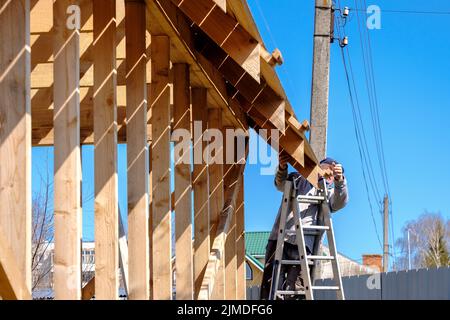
306, 262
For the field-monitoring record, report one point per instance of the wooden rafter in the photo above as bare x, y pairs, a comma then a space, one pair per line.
260, 105
226, 32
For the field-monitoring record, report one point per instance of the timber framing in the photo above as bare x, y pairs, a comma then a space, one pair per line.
106, 72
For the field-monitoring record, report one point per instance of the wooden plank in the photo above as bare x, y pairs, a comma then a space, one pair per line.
105, 152
215, 171
165, 18
161, 232
67, 177
229, 261
209, 281
137, 150
12, 280
88, 291
123, 254
200, 187
183, 185
240, 244
226, 32
15, 134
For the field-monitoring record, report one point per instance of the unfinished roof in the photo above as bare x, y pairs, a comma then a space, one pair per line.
104, 72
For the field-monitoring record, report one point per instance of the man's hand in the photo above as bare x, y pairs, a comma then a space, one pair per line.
283, 159
337, 172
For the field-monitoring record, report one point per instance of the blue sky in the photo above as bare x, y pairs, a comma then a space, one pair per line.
410, 55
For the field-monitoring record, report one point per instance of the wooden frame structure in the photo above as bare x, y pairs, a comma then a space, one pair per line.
105, 72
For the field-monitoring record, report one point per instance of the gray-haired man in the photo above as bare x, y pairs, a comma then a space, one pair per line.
338, 198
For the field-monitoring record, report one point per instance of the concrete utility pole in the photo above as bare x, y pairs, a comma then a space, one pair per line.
323, 24
385, 234
409, 253
323, 27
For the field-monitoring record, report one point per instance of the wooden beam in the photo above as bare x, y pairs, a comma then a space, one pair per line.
165, 18
123, 253
105, 154
226, 32
264, 103
229, 261
160, 104
15, 135
200, 187
217, 249
88, 291
12, 280
240, 244
259, 94
67, 179
213, 60
183, 185
137, 150
215, 171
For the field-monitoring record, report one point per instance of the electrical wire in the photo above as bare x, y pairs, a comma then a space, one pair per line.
366, 50
408, 11
357, 134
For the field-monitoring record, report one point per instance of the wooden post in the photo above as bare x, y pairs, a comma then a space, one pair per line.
105, 140
230, 242
215, 169
183, 186
67, 180
12, 280
240, 244
161, 232
137, 150
15, 133
201, 188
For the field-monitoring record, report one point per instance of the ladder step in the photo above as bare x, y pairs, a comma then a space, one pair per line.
290, 292
316, 198
295, 262
321, 257
315, 227
325, 288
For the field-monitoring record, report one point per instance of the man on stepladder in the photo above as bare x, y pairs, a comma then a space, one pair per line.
338, 198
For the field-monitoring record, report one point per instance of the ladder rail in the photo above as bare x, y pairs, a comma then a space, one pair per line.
327, 221
280, 240
333, 252
308, 263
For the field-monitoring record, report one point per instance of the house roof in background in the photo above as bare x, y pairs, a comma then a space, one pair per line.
255, 242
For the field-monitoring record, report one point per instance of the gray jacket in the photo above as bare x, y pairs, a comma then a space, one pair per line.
337, 196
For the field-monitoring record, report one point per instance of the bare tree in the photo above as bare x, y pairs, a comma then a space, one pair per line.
42, 232
429, 239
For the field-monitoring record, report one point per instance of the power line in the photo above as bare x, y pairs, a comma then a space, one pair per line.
407, 11
373, 100
367, 58
366, 159
355, 122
